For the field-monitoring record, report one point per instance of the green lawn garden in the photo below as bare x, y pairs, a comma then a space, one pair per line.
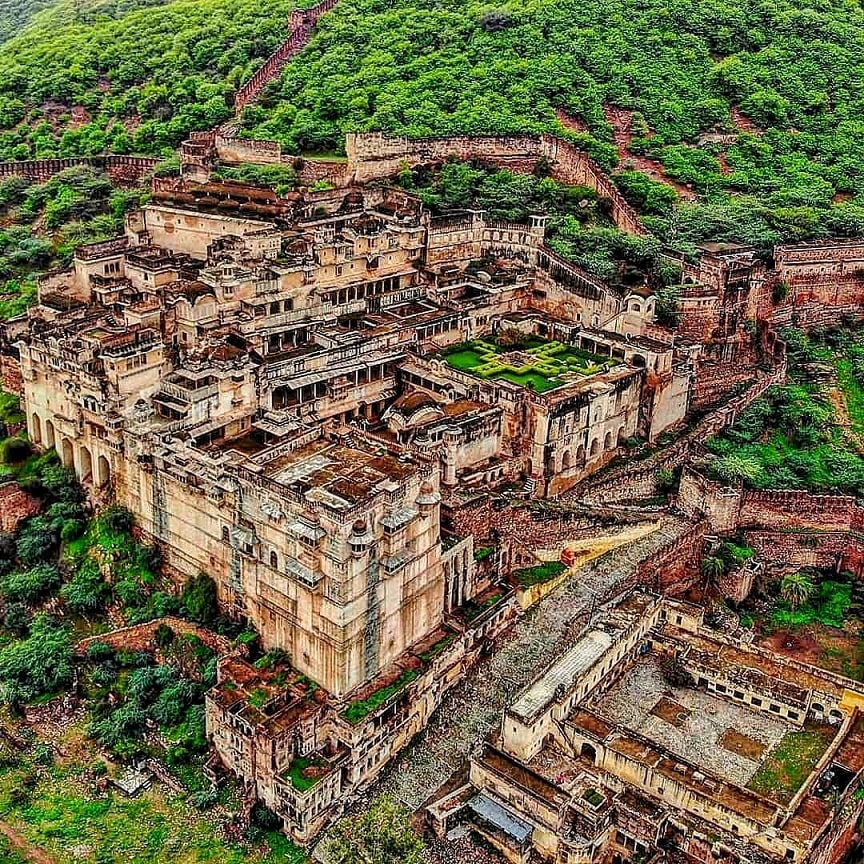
538, 364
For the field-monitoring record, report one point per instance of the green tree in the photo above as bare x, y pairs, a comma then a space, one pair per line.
41, 663
797, 588
32, 585
712, 568
200, 598
380, 835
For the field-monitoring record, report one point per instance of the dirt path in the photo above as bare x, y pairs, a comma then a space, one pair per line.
23, 845
620, 121
742, 123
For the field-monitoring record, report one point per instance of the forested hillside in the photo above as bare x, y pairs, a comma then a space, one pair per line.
748, 99
40, 225
14, 14
749, 112
128, 76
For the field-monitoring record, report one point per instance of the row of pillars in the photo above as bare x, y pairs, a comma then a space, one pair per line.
81, 462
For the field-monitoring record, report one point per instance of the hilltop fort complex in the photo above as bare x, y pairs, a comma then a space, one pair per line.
387, 432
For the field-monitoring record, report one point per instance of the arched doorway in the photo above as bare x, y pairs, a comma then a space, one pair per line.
588, 752
86, 464
67, 456
50, 438
103, 471
36, 429
566, 461
607, 441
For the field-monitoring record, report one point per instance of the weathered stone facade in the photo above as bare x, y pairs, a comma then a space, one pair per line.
262, 380
602, 756
259, 379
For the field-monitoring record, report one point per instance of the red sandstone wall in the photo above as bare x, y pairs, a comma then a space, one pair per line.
374, 156
674, 568
15, 506
10, 374
121, 169
794, 509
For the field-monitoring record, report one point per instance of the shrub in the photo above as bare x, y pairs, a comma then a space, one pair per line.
37, 540
17, 618
72, 530
41, 663
15, 450
30, 586
200, 598
204, 799
163, 636
86, 593
264, 818
100, 652
117, 519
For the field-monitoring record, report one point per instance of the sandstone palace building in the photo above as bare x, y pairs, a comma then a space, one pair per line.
296, 394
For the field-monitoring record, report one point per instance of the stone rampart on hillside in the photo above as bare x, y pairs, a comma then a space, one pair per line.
373, 156
121, 169
300, 26
787, 528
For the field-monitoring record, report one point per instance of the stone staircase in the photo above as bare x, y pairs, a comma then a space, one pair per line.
474, 707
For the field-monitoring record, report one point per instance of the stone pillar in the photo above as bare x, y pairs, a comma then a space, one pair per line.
451, 447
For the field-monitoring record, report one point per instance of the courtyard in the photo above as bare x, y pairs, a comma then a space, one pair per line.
742, 746
532, 362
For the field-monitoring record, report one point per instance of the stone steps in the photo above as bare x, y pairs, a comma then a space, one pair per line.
475, 706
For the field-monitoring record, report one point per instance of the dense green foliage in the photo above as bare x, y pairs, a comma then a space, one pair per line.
432, 67
578, 226
42, 224
144, 73
14, 14
776, 88
808, 433
126, 695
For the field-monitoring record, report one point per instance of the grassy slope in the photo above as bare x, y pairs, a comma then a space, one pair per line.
806, 434
63, 815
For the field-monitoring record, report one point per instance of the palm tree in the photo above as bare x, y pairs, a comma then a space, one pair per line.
796, 588
712, 569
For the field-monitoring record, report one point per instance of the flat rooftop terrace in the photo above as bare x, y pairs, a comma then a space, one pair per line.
733, 742
336, 475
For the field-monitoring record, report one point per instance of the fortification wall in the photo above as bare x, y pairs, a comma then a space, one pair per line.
716, 381
238, 150
374, 156
121, 169
791, 550
615, 480
300, 26
674, 568
15, 506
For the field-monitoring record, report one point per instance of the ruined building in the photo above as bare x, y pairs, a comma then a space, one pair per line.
297, 393
264, 381
648, 739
